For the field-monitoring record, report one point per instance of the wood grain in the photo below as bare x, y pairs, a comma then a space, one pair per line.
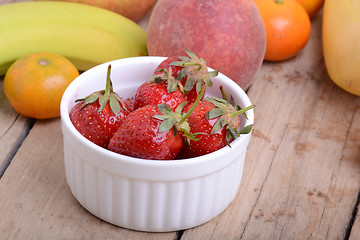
37, 202
302, 171
13, 130
301, 177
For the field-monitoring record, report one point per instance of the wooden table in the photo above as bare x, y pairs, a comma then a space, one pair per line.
301, 177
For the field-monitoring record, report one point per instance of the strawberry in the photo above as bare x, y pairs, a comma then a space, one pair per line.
166, 64
193, 74
152, 93
149, 132
162, 89
129, 103
218, 121
175, 80
99, 115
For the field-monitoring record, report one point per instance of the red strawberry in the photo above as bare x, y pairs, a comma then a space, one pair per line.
166, 64
218, 121
193, 75
129, 103
98, 116
148, 132
165, 89
152, 93
190, 72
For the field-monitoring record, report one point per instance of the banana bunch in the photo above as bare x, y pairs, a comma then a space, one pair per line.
84, 34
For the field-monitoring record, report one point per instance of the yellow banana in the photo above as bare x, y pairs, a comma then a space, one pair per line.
84, 34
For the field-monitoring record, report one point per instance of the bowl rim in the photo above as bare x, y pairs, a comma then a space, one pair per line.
66, 122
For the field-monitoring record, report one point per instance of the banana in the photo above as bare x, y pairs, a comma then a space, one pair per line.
84, 34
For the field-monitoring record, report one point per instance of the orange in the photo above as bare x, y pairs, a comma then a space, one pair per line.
287, 26
35, 83
311, 6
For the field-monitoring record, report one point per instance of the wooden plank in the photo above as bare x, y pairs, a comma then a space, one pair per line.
301, 176
351, 154
13, 130
296, 181
36, 202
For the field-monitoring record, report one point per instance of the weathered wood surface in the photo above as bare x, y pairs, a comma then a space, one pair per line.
301, 178
302, 171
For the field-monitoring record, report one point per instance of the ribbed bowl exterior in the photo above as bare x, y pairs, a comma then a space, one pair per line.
154, 206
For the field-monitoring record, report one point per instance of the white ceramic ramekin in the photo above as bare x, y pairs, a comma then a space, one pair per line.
149, 195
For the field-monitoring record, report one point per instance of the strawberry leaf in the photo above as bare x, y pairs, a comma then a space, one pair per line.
246, 129
180, 107
188, 84
214, 73
104, 96
102, 101
215, 112
114, 105
167, 124
218, 102
88, 100
190, 53
172, 85
165, 109
196, 71
169, 117
120, 101
228, 116
161, 117
208, 82
233, 133
191, 136
220, 123
165, 75
198, 86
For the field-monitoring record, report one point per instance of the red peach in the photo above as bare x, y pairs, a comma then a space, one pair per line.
228, 34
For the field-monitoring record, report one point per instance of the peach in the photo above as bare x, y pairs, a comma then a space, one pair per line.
228, 34
132, 9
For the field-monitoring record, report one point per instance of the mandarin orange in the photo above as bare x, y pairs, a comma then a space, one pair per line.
35, 83
287, 26
311, 6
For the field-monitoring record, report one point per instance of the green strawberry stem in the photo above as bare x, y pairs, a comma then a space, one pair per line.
241, 111
201, 93
222, 90
105, 96
108, 87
